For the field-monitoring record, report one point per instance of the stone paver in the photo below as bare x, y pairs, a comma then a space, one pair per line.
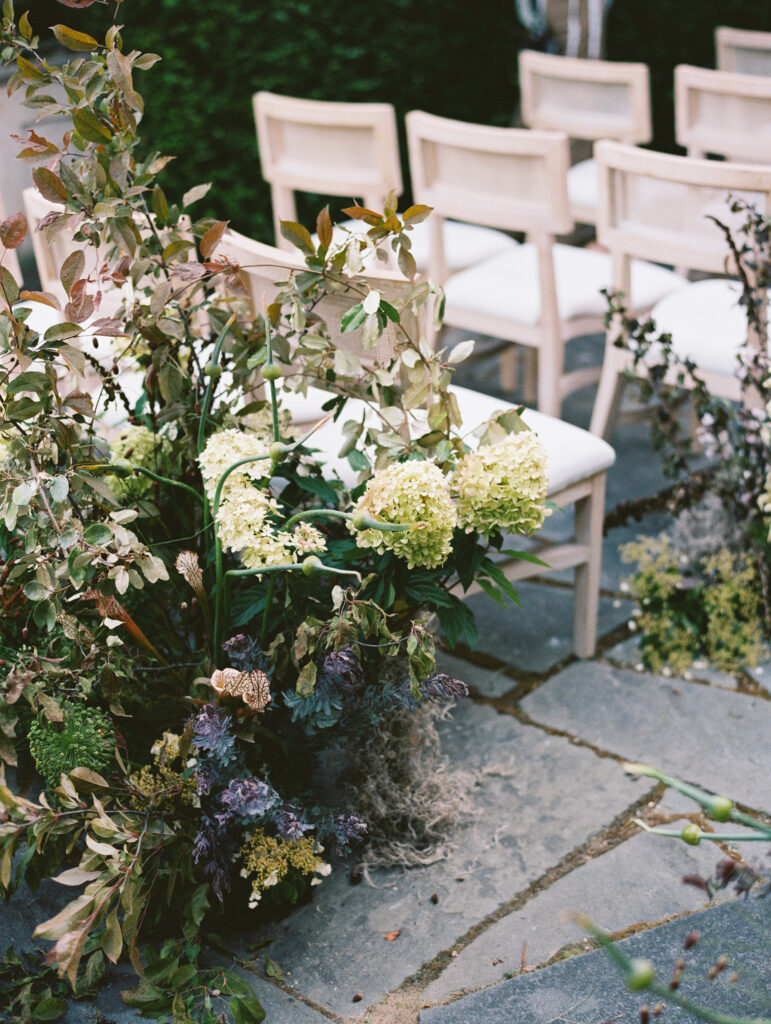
628, 653
538, 635
588, 988
538, 797
638, 881
700, 733
488, 682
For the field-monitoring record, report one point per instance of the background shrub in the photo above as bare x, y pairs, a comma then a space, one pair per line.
448, 57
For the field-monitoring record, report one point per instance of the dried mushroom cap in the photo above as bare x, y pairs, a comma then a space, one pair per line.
252, 687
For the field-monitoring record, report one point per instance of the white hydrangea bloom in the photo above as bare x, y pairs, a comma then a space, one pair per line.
222, 450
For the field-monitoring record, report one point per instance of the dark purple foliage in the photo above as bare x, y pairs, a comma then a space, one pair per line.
245, 654
213, 734
291, 824
440, 686
246, 798
342, 669
210, 853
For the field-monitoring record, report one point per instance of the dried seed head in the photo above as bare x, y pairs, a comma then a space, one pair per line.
188, 567
645, 1014
691, 939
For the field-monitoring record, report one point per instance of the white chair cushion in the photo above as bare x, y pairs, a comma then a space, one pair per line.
706, 322
464, 244
584, 185
573, 454
507, 286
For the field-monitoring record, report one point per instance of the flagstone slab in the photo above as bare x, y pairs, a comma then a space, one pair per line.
701, 733
488, 682
635, 882
535, 637
628, 653
589, 988
537, 797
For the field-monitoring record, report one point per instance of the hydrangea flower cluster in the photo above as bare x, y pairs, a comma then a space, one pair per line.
502, 486
413, 493
267, 859
223, 449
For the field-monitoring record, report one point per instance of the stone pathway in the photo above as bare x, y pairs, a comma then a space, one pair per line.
485, 936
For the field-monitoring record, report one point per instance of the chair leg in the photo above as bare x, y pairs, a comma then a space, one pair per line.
608, 398
530, 375
509, 368
549, 372
589, 514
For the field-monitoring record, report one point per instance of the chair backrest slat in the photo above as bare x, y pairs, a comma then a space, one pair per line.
49, 253
743, 50
723, 113
659, 207
506, 178
586, 99
339, 149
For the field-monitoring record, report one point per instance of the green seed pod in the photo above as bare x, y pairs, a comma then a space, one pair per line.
121, 468
691, 834
361, 520
213, 371
312, 564
277, 451
640, 974
720, 808
271, 371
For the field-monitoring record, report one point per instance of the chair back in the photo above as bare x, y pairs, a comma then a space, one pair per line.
339, 149
586, 99
508, 178
723, 113
743, 50
657, 207
264, 269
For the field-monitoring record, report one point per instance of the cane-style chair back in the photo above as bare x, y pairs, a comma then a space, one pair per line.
586, 99
723, 113
658, 207
743, 50
338, 149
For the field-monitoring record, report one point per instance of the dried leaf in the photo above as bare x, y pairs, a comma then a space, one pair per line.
391, 936
211, 238
324, 227
13, 231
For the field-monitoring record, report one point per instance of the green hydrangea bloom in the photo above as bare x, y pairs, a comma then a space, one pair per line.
416, 493
83, 740
502, 486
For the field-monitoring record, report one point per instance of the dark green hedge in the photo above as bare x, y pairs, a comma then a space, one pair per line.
450, 57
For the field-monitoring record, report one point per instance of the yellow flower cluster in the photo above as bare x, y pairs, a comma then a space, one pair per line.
159, 786
502, 486
413, 493
267, 859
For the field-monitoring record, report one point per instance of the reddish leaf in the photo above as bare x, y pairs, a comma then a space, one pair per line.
362, 213
391, 936
324, 227
211, 238
13, 231
80, 402
45, 297
50, 185
77, 3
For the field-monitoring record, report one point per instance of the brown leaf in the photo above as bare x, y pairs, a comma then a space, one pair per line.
324, 227
211, 238
45, 297
392, 936
362, 213
50, 185
13, 231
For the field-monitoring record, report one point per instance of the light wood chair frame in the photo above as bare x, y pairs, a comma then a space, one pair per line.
273, 112
263, 265
540, 221
729, 42
10, 258
725, 135
577, 122
625, 243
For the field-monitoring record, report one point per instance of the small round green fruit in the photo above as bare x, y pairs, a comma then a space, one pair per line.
213, 371
720, 808
691, 834
640, 974
312, 564
277, 451
121, 468
271, 371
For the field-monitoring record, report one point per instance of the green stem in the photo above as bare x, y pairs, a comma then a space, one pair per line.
715, 837
167, 480
207, 398
272, 383
316, 513
266, 612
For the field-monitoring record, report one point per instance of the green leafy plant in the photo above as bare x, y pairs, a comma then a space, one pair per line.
83, 739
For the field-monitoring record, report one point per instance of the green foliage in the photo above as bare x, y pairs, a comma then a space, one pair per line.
712, 609
84, 739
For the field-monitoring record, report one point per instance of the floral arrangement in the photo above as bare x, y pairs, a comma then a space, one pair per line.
196, 565
710, 595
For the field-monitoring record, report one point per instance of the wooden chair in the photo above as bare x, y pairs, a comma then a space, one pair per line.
540, 293
349, 150
585, 99
723, 113
744, 51
577, 461
656, 207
